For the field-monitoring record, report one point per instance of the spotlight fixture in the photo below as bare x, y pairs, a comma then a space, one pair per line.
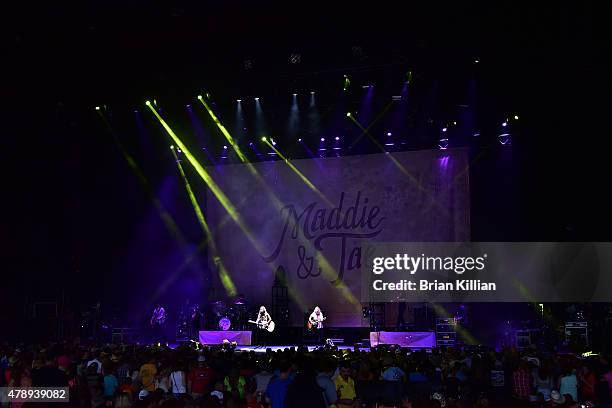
322, 139
224, 147
454, 122
172, 147
148, 103
348, 114
516, 117
504, 124
389, 134
188, 106
97, 108
444, 129
250, 143
300, 140
294, 94
257, 98
199, 96
238, 100
347, 82
504, 139
312, 92
264, 139
476, 61
337, 138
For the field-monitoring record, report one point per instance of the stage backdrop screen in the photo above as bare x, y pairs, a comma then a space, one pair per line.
312, 218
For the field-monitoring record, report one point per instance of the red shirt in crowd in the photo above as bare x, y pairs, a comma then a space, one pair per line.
521, 383
201, 379
588, 386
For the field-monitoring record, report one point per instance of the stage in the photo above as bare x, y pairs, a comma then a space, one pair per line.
262, 349
243, 340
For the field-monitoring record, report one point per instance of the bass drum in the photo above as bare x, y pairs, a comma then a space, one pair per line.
225, 323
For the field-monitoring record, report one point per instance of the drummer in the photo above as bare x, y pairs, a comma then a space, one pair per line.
241, 308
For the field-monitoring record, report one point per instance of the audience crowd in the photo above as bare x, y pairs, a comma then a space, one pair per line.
188, 376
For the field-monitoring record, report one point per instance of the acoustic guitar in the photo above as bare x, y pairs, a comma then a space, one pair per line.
269, 326
314, 324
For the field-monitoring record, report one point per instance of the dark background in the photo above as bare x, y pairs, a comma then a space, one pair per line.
78, 227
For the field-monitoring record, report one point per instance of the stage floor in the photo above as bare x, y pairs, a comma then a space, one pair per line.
262, 349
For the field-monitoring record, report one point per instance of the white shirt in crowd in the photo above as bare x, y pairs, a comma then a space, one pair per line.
178, 383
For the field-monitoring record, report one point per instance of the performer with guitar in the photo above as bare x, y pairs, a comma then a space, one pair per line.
264, 324
157, 323
315, 323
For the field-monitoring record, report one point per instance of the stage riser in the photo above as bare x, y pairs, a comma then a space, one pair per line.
242, 338
404, 339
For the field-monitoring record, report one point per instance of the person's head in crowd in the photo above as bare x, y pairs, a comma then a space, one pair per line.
387, 362
327, 366
556, 398
219, 390
50, 360
284, 368
345, 370
63, 362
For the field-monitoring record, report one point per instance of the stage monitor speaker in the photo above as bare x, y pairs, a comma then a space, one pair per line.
422, 318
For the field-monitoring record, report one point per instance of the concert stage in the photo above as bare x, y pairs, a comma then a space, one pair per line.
243, 339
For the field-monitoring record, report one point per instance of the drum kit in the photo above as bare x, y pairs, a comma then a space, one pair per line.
229, 316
